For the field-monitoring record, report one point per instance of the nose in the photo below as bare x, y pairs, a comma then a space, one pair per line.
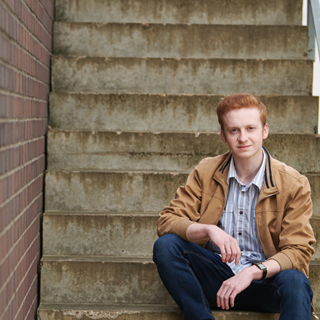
242, 136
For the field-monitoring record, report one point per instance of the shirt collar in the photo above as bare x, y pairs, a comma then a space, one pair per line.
257, 180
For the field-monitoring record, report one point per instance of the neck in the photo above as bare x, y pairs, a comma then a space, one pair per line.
248, 168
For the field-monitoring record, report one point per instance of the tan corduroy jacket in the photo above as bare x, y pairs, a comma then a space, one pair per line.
283, 209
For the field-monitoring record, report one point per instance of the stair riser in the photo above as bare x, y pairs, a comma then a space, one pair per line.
114, 282
125, 75
273, 12
166, 151
120, 315
141, 315
112, 192
109, 235
126, 235
122, 192
97, 282
163, 114
172, 41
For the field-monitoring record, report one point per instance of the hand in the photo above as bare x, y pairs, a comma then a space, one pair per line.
231, 287
228, 245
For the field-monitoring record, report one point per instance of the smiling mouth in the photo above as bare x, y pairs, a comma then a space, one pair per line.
243, 147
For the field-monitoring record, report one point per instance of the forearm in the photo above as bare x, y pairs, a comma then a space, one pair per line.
198, 231
254, 273
228, 245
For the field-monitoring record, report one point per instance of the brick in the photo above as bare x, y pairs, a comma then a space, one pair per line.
18, 261
15, 56
32, 312
21, 35
22, 107
12, 235
18, 179
15, 156
20, 201
41, 14
17, 131
7, 292
15, 81
49, 7
24, 14
21, 274
13, 260
24, 294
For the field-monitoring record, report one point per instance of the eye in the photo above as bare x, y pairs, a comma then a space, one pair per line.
250, 128
233, 130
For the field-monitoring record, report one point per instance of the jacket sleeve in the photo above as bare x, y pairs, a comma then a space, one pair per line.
184, 209
296, 237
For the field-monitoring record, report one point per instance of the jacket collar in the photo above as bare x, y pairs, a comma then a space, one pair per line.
269, 187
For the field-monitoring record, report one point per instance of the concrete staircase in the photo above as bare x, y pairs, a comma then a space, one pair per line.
135, 84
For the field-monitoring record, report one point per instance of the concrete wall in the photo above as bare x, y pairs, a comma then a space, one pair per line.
25, 50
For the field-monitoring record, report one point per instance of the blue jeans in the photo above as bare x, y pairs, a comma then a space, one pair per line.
193, 275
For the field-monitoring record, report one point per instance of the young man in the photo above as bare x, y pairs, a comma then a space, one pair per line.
238, 236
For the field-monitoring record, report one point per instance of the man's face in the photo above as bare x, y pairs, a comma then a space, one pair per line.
243, 132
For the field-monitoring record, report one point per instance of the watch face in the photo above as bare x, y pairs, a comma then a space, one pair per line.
261, 266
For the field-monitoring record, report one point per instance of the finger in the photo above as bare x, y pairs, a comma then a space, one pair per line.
226, 298
232, 298
223, 296
223, 253
220, 295
237, 252
229, 253
233, 256
238, 256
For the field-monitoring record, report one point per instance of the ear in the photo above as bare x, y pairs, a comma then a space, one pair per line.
223, 138
265, 132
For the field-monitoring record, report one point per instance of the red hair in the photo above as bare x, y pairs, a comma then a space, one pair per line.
238, 101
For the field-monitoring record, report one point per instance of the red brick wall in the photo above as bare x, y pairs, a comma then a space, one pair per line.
25, 49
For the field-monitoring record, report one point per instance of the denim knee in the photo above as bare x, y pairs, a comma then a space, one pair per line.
294, 284
163, 246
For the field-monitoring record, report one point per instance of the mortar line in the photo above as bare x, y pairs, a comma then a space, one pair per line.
20, 95
19, 119
20, 143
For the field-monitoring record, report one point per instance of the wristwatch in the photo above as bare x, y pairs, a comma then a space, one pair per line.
263, 268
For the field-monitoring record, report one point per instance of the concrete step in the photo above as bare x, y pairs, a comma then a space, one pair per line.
98, 233
135, 312
162, 113
101, 280
201, 76
180, 41
122, 191
115, 280
265, 12
107, 234
179, 152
